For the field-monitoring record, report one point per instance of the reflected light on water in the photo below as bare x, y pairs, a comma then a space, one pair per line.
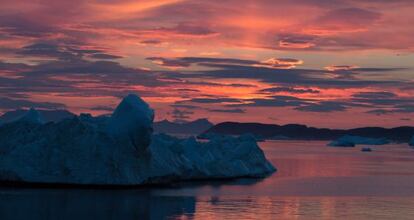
301, 208
313, 182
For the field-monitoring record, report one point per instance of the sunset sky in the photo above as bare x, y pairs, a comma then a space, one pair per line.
325, 63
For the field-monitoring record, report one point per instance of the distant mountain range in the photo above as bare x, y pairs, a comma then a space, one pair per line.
47, 115
303, 132
189, 128
203, 127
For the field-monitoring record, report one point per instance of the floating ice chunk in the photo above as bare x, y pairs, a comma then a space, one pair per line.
341, 143
366, 149
351, 141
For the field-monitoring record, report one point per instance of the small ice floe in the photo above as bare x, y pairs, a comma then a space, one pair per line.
341, 143
366, 149
351, 141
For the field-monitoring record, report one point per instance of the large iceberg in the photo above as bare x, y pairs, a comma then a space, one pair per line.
119, 150
351, 141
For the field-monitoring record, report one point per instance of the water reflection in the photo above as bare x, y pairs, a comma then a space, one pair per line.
136, 204
312, 182
89, 204
304, 208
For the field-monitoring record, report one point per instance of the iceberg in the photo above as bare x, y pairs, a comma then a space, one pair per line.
351, 141
366, 149
119, 150
341, 143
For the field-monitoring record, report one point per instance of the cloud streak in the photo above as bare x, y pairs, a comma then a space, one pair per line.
189, 58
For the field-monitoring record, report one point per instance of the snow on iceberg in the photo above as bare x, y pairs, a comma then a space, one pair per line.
120, 150
351, 141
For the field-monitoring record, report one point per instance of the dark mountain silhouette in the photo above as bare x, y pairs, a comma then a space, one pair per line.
303, 132
47, 115
193, 127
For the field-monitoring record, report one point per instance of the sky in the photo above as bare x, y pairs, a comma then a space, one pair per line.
324, 63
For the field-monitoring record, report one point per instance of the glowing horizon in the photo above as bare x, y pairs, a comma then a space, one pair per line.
338, 64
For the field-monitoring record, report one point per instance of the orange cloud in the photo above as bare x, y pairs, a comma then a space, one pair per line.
295, 45
340, 67
280, 63
117, 10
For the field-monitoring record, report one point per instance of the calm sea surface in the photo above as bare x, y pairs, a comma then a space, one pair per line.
313, 182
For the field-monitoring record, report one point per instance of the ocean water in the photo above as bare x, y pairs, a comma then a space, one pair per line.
313, 182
